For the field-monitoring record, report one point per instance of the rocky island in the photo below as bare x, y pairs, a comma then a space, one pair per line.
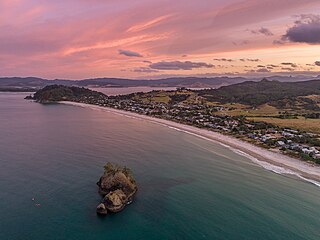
117, 187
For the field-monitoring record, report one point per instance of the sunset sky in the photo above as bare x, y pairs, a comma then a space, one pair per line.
75, 39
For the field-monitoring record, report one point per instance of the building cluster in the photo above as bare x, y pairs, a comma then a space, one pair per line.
290, 140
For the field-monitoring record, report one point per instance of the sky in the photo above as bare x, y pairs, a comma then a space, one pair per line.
77, 39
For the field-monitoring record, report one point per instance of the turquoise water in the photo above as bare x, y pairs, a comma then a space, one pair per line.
189, 188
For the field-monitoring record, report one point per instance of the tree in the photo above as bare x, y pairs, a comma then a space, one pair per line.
109, 168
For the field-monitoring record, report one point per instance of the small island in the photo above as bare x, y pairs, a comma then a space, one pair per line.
117, 187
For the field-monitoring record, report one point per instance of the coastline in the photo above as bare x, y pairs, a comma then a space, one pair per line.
272, 161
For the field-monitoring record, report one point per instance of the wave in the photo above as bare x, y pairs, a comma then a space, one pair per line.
274, 168
266, 165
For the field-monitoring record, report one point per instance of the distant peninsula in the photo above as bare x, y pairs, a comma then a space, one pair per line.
117, 187
17, 89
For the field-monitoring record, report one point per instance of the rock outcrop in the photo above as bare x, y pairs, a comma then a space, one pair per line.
118, 187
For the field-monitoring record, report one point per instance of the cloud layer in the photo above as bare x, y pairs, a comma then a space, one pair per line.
177, 65
263, 30
82, 39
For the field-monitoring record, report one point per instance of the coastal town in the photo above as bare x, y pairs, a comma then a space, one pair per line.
299, 144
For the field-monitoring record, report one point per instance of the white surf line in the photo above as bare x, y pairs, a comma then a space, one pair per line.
264, 164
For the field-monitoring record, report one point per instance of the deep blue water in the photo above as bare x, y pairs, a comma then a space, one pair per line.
189, 188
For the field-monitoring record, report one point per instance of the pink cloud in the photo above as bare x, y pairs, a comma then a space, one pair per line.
80, 38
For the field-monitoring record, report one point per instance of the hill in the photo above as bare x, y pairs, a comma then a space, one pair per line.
37, 83
33, 83
258, 93
54, 93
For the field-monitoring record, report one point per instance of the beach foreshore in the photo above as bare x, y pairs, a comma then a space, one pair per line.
270, 160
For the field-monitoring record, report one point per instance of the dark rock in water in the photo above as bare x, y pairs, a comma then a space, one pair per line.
101, 209
118, 187
30, 97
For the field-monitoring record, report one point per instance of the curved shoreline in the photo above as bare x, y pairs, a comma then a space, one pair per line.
276, 162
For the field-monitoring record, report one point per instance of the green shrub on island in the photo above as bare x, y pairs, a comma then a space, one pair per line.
117, 187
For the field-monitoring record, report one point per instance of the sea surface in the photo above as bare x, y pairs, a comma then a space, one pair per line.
51, 157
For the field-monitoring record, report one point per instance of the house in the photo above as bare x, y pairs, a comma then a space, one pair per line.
306, 150
280, 143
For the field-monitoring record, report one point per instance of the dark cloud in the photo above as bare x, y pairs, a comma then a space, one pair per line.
272, 65
278, 42
287, 69
261, 66
262, 70
146, 61
293, 65
177, 65
224, 60
144, 70
240, 43
262, 30
305, 30
249, 60
317, 63
129, 53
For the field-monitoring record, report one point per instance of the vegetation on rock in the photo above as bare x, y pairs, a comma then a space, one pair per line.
117, 187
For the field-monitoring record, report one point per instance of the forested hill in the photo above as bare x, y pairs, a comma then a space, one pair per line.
257, 93
38, 83
55, 93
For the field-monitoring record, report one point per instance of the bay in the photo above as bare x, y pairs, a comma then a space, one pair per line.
189, 188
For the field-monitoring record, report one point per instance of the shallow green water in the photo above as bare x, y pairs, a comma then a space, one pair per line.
189, 188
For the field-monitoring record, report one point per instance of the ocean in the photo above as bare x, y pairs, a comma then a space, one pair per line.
51, 157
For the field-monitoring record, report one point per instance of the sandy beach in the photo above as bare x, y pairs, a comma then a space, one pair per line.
270, 160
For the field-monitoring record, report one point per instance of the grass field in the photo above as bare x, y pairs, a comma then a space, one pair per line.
161, 97
309, 125
264, 110
264, 113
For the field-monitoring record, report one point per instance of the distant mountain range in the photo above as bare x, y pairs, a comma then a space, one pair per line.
18, 83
